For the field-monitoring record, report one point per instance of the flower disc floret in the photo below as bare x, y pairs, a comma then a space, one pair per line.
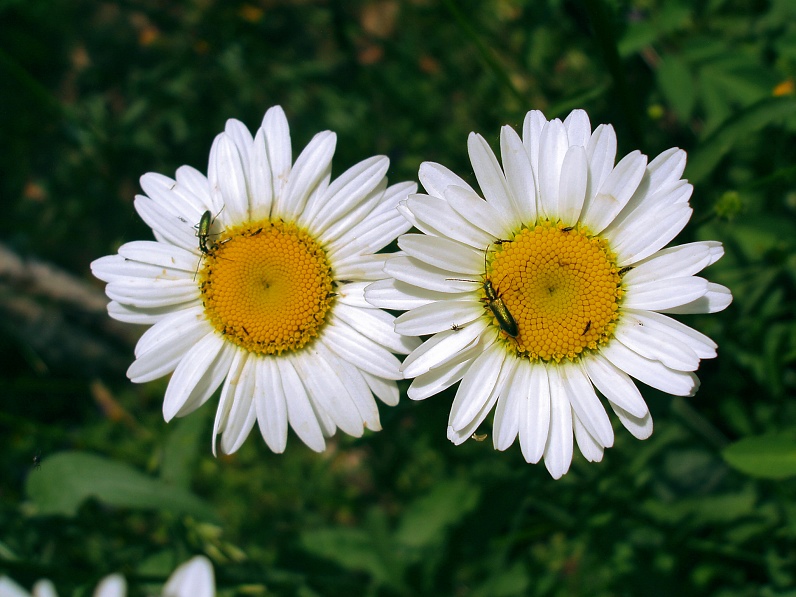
267, 286
561, 286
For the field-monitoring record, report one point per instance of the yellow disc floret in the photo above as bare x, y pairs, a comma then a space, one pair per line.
267, 286
562, 287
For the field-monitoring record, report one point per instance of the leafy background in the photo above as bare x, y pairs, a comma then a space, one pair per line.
94, 94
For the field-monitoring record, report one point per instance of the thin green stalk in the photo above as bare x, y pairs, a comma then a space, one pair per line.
607, 39
485, 52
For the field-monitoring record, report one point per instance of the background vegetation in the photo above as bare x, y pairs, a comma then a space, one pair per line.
94, 94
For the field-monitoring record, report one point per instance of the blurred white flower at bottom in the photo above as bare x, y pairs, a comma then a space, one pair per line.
194, 578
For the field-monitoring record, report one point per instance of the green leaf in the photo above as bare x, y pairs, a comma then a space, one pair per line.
426, 519
181, 449
706, 157
677, 85
771, 456
350, 548
66, 479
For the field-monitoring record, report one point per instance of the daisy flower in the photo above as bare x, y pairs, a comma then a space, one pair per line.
552, 285
193, 578
256, 280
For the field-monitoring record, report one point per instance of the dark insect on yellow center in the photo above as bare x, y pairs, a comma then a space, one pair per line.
267, 286
561, 286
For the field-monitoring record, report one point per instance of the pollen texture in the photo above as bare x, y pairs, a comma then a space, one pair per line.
562, 287
266, 286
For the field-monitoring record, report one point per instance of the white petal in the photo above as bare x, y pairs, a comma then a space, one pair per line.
588, 446
361, 267
615, 385
277, 142
348, 190
491, 179
385, 390
587, 406
310, 168
208, 384
532, 128
173, 197
122, 271
163, 345
356, 386
353, 294
342, 221
703, 346
440, 348
8, 588
372, 234
655, 344
601, 154
438, 316
553, 147
477, 387
615, 191
664, 294
674, 262
717, 298
446, 374
110, 586
44, 588
325, 389
300, 413
572, 190
225, 401
242, 414
558, 450
360, 351
193, 186
239, 134
535, 414
652, 373
194, 578
190, 376
151, 294
416, 273
443, 253
231, 181
479, 213
649, 234
458, 436
650, 225
270, 404
509, 406
130, 314
447, 222
168, 226
260, 184
578, 128
667, 167
519, 174
640, 427
161, 254
394, 294
435, 178
378, 326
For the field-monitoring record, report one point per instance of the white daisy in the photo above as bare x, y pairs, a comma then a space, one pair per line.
553, 285
256, 280
193, 578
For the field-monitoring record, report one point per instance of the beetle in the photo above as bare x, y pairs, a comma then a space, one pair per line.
495, 303
203, 231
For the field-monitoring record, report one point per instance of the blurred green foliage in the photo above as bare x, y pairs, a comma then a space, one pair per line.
94, 94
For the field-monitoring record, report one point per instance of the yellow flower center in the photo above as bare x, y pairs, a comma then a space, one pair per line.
266, 286
562, 287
